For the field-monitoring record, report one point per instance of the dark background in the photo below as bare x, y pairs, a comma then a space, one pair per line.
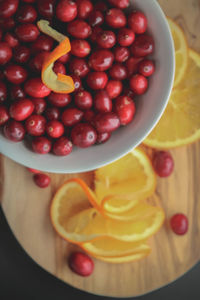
21, 278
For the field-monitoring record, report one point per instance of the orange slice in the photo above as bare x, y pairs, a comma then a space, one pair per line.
123, 259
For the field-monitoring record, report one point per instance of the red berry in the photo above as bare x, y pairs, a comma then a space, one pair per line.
114, 88
36, 89
115, 18
81, 264
138, 84
15, 74
88, 116
26, 14
83, 135
40, 105
66, 10
80, 48
101, 60
120, 3
35, 125
79, 67
125, 37
96, 18
3, 92
146, 67
103, 137
17, 92
59, 68
21, 109
83, 100
163, 163
27, 32
62, 146
21, 54
8, 8
14, 131
42, 43
106, 39
46, 8
97, 80
137, 22
106, 122
118, 71
71, 116
132, 65
143, 45
5, 53
42, 180
34, 171
60, 100
52, 113
125, 109
63, 59
37, 62
11, 39
4, 116
121, 54
95, 31
79, 29
41, 145
179, 224
102, 102
85, 7
102, 6
77, 82
54, 129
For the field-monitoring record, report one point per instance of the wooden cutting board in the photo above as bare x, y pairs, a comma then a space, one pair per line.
27, 210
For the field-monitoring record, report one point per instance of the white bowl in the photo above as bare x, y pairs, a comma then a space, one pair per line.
150, 108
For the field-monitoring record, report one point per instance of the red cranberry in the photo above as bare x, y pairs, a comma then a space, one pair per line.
94, 33
88, 116
4, 116
60, 100
34, 171
46, 8
77, 82
119, 3
21, 109
143, 45
52, 113
81, 264
11, 40
42, 180
101, 60
125, 109
5, 53
41, 145
66, 10
65, 58
102, 102
54, 129
97, 80
125, 37
114, 88
106, 122
59, 68
8, 8
146, 67
103, 137
80, 48
15, 74
96, 18
71, 116
118, 71
37, 62
79, 67
85, 7
163, 163
21, 54
138, 84
36, 89
17, 92
7, 24
62, 146
179, 224
35, 125
79, 29
132, 65
83, 135
137, 22
42, 43
26, 14
115, 18
102, 6
40, 105
14, 131
3, 92
27, 32
121, 54
83, 100
106, 39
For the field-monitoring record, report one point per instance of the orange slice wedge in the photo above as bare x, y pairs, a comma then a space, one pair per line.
124, 259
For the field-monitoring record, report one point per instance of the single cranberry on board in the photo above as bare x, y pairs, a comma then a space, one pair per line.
71, 116
3, 92
96, 18
46, 8
146, 67
120, 3
55, 129
125, 37
59, 100
101, 60
26, 14
41, 145
8, 8
35, 88
62, 146
102, 102
143, 45
4, 116
139, 84
83, 100
39, 104
35, 125
85, 7
79, 29
15, 74
106, 39
41, 180
115, 18
27, 32
179, 224
97, 80
5, 53
83, 135
114, 88
66, 10
21, 109
81, 264
163, 163
14, 131
80, 48
137, 21
106, 122
79, 67
103, 137
125, 109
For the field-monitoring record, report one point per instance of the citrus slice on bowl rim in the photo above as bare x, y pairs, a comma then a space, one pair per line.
180, 123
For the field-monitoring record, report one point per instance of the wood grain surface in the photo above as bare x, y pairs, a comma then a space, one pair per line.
27, 210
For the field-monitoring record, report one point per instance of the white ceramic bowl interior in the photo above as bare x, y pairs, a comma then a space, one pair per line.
149, 110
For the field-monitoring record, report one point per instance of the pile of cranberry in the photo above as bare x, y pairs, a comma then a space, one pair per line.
108, 63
